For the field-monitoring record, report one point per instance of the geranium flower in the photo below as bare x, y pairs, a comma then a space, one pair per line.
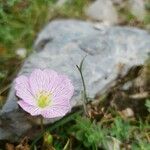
44, 92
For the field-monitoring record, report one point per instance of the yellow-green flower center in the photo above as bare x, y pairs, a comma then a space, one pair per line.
44, 99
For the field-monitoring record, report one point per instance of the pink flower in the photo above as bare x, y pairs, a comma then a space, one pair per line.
44, 92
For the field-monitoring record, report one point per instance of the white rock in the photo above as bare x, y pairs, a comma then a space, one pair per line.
102, 10
128, 112
21, 52
61, 2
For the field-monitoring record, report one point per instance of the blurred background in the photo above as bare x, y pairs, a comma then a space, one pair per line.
21, 21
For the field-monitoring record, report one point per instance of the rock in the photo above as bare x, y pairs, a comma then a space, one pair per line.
117, 2
21, 52
61, 2
13, 125
128, 112
110, 51
137, 8
101, 10
113, 144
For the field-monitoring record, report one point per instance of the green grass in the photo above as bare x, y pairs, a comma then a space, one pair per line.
21, 20
85, 133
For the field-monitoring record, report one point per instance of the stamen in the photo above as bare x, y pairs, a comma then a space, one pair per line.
44, 99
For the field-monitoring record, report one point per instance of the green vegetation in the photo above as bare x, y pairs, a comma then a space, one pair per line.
85, 133
89, 133
21, 20
148, 105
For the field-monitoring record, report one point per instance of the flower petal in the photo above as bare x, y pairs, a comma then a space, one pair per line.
55, 111
33, 110
53, 79
64, 89
59, 86
23, 90
61, 101
42, 80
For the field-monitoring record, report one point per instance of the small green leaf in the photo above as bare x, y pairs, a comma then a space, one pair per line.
147, 104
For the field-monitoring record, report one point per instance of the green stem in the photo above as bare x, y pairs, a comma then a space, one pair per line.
42, 125
84, 87
82, 78
85, 98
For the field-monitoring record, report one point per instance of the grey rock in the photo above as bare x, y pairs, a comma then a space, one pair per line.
102, 10
117, 2
61, 2
110, 51
13, 125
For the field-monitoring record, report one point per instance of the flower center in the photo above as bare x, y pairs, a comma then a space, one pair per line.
44, 99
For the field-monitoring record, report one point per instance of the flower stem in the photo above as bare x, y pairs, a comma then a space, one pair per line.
42, 125
84, 96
